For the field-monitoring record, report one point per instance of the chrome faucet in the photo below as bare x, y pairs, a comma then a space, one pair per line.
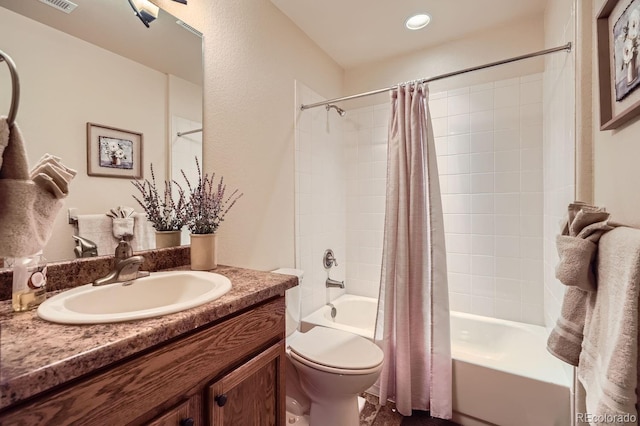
127, 267
334, 284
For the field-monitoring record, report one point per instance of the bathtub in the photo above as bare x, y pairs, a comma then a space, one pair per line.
502, 372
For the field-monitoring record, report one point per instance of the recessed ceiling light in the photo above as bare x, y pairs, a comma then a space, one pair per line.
417, 21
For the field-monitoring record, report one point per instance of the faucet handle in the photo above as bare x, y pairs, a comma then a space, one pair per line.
329, 260
124, 250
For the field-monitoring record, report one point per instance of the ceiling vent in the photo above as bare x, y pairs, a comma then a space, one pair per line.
62, 5
188, 28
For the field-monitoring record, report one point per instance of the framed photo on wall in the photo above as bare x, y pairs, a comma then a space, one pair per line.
113, 152
618, 44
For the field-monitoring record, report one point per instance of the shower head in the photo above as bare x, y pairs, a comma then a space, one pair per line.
337, 108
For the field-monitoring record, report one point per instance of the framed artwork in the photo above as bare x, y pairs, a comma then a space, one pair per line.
618, 44
113, 152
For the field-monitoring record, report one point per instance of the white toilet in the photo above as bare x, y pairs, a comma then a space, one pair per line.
326, 370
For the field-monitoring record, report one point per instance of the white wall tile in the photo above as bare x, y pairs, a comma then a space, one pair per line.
481, 100
459, 283
458, 124
505, 140
482, 162
481, 121
482, 203
506, 118
507, 96
458, 243
507, 182
508, 204
482, 183
483, 286
481, 142
458, 104
531, 115
508, 289
438, 107
483, 244
507, 161
458, 144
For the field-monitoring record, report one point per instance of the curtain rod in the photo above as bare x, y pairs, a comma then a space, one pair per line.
566, 47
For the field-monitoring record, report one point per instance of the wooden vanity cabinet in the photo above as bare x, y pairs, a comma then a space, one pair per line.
228, 373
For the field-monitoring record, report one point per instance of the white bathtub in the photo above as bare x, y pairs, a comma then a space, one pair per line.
502, 372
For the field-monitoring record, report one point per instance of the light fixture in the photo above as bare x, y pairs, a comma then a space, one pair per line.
145, 10
417, 21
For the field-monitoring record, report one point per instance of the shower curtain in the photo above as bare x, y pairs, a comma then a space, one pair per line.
412, 324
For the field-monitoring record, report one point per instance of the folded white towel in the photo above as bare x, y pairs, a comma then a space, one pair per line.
608, 367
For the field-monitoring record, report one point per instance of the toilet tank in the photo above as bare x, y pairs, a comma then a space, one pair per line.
293, 299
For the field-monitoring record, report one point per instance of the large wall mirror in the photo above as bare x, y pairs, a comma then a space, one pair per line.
100, 64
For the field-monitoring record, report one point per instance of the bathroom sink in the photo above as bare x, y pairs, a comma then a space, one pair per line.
158, 294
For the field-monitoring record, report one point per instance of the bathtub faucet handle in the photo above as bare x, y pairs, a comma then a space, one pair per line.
329, 259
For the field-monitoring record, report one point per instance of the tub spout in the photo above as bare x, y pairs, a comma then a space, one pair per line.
333, 283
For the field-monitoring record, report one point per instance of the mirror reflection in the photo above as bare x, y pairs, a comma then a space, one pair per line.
99, 64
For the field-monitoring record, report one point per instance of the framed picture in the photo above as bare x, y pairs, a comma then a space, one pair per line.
618, 44
113, 152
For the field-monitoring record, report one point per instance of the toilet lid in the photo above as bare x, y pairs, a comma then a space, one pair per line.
337, 349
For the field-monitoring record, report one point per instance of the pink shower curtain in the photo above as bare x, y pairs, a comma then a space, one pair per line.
412, 326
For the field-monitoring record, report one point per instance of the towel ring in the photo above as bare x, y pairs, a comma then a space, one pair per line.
15, 87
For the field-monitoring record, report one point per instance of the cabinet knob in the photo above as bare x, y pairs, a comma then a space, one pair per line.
187, 422
221, 400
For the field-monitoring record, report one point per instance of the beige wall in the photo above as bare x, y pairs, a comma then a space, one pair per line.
500, 43
616, 154
252, 56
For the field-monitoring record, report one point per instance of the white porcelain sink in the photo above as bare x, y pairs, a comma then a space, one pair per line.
160, 293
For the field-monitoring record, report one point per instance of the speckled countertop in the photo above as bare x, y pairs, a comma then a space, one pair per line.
36, 355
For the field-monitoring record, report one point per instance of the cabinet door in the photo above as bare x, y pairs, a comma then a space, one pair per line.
252, 394
185, 414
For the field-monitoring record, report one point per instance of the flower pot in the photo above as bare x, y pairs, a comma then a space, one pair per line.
167, 239
203, 252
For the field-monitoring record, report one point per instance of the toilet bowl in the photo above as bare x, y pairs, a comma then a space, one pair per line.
330, 369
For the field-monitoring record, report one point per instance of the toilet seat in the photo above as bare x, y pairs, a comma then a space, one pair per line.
336, 351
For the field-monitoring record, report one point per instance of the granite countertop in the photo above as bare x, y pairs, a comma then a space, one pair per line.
36, 355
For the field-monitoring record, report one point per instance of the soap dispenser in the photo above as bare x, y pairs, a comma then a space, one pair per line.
29, 282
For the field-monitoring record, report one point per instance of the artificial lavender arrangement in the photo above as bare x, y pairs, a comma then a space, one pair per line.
207, 206
164, 213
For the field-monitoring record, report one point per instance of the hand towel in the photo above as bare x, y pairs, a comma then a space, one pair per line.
28, 211
577, 249
578, 245
608, 366
123, 222
52, 177
565, 340
99, 229
144, 235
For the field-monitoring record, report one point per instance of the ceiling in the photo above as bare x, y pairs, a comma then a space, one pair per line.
112, 25
354, 32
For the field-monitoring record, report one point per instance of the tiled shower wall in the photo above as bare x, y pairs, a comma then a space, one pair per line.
559, 143
320, 198
489, 147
